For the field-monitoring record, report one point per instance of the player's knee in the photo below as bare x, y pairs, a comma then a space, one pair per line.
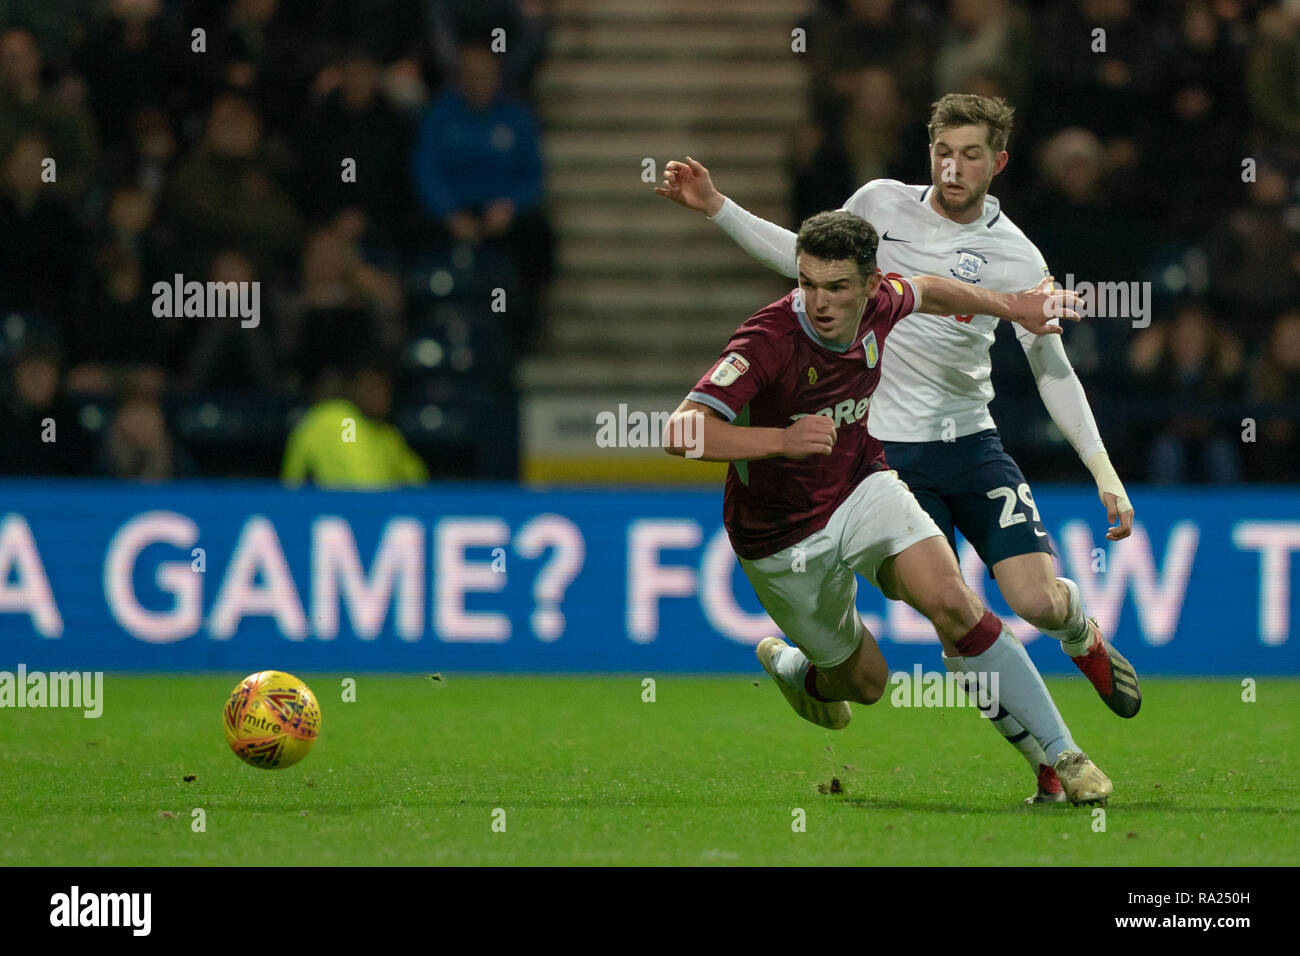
952, 605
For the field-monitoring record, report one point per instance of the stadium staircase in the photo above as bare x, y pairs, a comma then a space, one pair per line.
648, 292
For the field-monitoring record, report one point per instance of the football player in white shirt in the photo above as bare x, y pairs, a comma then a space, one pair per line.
931, 407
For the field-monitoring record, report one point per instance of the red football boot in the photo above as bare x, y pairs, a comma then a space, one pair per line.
1111, 674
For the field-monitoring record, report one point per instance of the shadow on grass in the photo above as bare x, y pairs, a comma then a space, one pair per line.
868, 803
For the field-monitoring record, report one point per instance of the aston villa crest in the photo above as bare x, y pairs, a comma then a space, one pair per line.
871, 350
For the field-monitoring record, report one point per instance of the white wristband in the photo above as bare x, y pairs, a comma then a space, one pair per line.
1108, 481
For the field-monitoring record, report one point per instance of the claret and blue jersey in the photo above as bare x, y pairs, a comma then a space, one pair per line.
777, 369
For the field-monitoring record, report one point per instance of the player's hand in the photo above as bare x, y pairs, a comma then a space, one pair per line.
1036, 308
1114, 514
689, 184
810, 435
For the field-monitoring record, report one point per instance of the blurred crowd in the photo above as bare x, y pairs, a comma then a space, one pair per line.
372, 164
376, 167
1173, 157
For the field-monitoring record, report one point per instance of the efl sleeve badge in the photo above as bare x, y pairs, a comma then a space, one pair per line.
729, 369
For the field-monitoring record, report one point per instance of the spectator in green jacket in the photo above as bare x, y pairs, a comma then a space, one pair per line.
347, 442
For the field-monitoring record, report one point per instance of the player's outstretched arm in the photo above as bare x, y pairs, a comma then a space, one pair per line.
689, 184
697, 431
1035, 308
1067, 404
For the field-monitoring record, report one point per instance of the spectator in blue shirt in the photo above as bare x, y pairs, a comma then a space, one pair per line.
478, 174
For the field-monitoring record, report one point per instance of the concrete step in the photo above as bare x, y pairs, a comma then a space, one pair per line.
598, 372
667, 335
719, 151
697, 41
770, 108
623, 184
749, 13
613, 297
702, 257
654, 79
675, 122
657, 220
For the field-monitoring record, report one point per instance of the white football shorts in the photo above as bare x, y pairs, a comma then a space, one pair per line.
810, 589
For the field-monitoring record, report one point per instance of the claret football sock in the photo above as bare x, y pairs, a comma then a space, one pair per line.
810, 684
992, 651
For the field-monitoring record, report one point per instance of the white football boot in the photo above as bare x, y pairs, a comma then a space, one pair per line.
1083, 781
833, 715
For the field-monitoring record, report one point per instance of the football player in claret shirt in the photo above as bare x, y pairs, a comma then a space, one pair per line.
810, 500
931, 410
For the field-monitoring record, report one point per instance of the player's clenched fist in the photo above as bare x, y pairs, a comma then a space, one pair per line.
810, 435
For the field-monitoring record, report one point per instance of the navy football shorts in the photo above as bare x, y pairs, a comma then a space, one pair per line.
972, 484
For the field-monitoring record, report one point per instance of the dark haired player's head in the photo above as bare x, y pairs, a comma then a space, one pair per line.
839, 234
836, 257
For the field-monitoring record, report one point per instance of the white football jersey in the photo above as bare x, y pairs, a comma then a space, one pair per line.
935, 381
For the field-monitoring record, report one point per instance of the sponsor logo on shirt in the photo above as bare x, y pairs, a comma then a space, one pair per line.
729, 369
846, 412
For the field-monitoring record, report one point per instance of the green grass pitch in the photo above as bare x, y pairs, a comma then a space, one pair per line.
710, 773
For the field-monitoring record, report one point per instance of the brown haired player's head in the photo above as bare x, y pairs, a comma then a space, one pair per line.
968, 147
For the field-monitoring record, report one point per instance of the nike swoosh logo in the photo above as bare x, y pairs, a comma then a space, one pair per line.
888, 238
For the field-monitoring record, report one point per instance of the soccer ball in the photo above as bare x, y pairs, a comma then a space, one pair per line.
271, 720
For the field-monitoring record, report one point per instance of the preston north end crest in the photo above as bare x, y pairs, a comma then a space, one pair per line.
968, 265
